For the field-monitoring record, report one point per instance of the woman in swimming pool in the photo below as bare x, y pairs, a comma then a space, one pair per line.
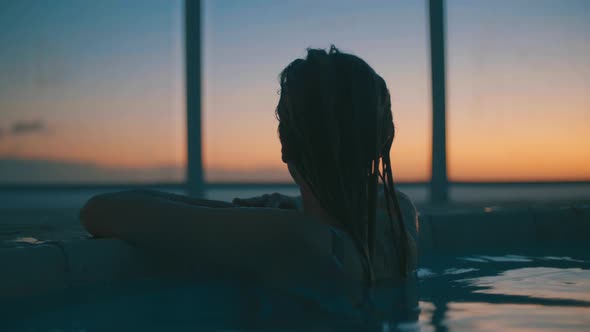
336, 131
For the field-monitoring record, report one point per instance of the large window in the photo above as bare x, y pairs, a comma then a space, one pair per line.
91, 91
518, 90
248, 43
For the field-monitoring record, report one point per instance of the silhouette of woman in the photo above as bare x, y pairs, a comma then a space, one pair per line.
336, 131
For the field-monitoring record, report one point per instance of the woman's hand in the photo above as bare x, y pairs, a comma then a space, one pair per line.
274, 200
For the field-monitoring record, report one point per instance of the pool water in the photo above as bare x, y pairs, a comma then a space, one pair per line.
526, 290
506, 293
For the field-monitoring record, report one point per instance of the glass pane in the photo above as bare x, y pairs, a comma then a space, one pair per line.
519, 90
91, 91
248, 43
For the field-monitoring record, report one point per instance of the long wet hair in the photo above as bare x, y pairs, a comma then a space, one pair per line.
336, 128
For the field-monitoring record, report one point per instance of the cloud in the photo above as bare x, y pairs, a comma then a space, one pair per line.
27, 127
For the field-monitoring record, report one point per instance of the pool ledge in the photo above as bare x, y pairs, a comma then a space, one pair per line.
54, 266
504, 227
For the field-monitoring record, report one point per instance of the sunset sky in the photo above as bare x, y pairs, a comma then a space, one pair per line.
100, 84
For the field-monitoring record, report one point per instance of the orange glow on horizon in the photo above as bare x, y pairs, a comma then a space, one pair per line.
480, 147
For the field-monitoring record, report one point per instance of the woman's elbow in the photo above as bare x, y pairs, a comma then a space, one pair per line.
93, 215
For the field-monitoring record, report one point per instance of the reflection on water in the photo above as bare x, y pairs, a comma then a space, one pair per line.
539, 282
484, 317
424, 273
460, 271
26, 240
480, 317
569, 259
506, 293
474, 293
506, 258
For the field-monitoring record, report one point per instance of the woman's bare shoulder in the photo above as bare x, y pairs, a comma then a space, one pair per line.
410, 214
386, 265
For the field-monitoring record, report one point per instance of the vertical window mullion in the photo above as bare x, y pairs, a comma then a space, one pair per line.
193, 41
439, 180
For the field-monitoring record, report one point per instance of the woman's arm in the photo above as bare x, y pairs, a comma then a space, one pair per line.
180, 198
99, 212
269, 243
